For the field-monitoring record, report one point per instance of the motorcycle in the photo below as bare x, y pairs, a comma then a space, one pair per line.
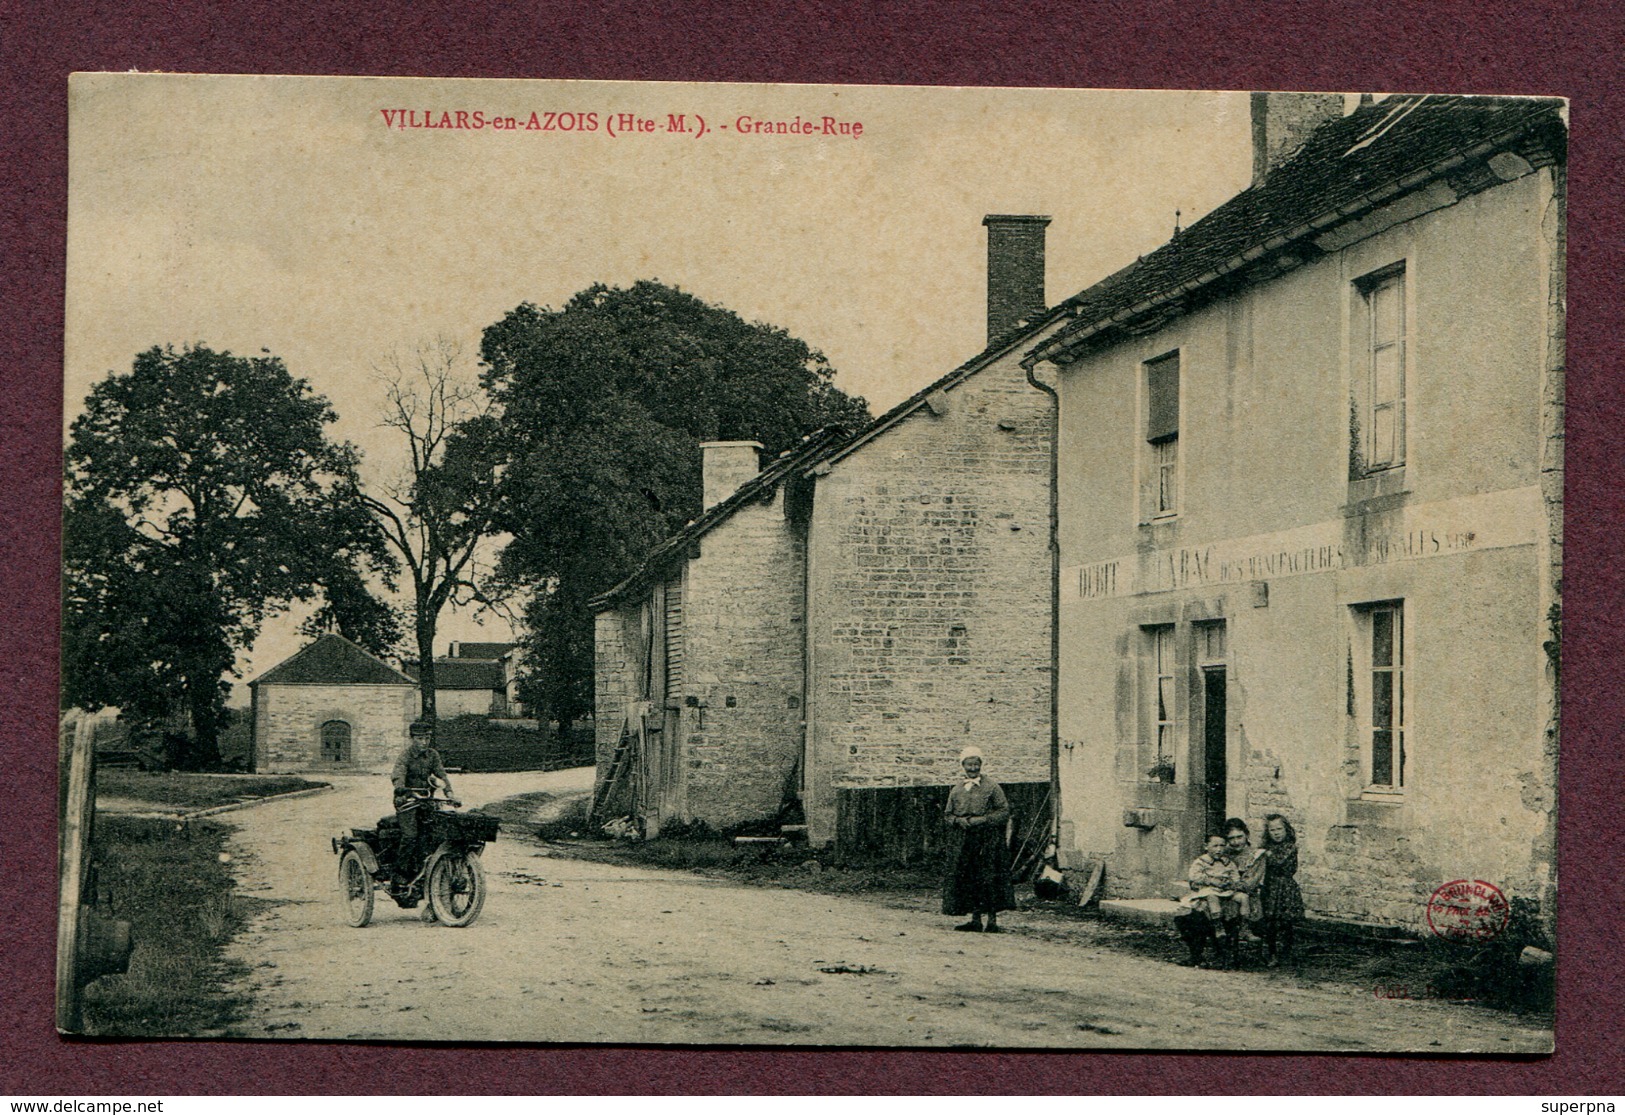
452, 879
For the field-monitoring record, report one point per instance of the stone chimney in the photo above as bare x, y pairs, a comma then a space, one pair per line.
1015, 270
725, 465
1283, 121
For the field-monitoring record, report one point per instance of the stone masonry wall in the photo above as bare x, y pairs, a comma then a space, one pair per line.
930, 586
614, 680
743, 640
287, 729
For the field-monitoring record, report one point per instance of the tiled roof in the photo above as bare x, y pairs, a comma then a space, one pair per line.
463, 673
1347, 167
333, 660
812, 448
489, 651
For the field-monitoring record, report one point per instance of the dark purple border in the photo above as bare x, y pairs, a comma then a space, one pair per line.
1482, 46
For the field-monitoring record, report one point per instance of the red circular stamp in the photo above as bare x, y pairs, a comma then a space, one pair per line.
1468, 910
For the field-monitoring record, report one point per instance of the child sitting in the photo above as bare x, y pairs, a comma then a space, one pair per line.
1213, 879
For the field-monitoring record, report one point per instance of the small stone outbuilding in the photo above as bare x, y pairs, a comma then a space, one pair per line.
331, 707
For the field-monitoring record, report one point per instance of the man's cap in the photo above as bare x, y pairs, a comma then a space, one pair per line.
421, 728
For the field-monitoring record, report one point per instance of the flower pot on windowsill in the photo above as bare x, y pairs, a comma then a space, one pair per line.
1162, 772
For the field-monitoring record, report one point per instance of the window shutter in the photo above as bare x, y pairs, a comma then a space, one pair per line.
674, 638
1162, 387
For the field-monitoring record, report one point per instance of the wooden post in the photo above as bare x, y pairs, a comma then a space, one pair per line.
78, 816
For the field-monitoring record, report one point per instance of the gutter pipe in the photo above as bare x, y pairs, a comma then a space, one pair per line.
1054, 605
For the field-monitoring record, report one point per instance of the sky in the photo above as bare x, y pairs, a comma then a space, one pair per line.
297, 216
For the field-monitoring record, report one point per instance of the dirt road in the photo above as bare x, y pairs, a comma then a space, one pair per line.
571, 951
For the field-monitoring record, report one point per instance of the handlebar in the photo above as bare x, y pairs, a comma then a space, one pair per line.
429, 797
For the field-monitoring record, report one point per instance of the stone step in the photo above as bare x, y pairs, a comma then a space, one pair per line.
1141, 911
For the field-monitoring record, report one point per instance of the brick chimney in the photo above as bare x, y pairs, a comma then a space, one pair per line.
1015, 270
1283, 121
725, 465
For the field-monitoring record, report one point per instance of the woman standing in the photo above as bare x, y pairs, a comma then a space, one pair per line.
978, 874
1283, 901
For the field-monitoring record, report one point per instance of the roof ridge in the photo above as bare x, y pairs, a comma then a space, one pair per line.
1340, 172
326, 636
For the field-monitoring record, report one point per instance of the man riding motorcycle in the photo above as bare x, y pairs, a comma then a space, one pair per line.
417, 772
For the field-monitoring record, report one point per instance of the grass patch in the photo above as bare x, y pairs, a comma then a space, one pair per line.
179, 791
172, 885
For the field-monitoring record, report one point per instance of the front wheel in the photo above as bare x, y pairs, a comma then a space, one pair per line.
456, 887
355, 889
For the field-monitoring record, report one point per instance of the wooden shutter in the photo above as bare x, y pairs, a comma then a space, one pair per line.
1162, 390
674, 639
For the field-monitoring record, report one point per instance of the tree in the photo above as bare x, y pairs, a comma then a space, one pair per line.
603, 405
350, 607
440, 510
202, 496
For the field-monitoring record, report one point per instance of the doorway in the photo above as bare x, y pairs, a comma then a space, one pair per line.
335, 742
1211, 657
1214, 775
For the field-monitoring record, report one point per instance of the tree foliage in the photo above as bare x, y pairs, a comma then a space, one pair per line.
439, 512
603, 405
202, 496
351, 607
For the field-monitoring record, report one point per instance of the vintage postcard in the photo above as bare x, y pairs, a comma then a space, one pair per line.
817, 566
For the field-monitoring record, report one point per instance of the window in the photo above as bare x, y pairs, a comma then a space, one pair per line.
1162, 437
1382, 628
335, 742
1160, 695
1383, 295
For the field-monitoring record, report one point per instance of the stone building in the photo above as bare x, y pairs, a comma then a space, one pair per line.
835, 628
332, 706
1310, 513
699, 658
928, 615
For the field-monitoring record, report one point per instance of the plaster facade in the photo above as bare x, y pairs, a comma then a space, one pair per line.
1259, 605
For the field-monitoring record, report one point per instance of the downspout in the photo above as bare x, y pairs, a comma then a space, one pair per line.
1054, 604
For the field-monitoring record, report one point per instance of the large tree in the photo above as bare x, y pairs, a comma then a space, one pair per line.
351, 606
603, 405
202, 496
437, 512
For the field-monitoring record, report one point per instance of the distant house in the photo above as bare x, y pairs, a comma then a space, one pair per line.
332, 706
475, 679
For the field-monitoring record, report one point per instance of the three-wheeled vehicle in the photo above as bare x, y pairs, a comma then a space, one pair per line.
452, 879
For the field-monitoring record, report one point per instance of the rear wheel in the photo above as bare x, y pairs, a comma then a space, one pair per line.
456, 887
355, 889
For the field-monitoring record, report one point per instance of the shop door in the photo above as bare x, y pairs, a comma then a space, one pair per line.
1214, 775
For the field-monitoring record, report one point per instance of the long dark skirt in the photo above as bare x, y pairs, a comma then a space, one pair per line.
977, 878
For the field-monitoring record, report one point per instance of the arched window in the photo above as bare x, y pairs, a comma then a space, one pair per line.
335, 742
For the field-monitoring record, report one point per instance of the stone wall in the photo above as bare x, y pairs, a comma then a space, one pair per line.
743, 636
615, 683
289, 718
463, 702
929, 583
